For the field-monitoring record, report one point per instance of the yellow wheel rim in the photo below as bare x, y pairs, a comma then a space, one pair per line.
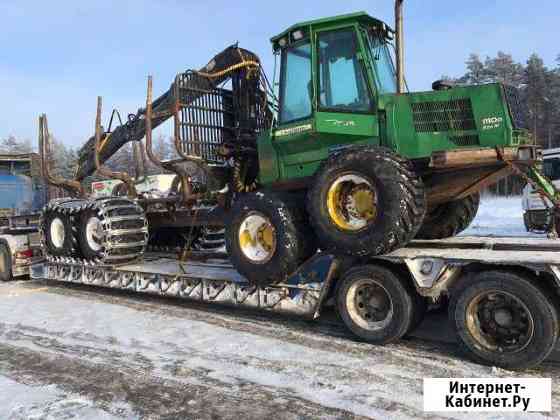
352, 202
266, 236
257, 238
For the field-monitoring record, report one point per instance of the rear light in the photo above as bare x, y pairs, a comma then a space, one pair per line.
27, 253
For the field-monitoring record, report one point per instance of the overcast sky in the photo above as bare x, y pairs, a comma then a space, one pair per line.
56, 56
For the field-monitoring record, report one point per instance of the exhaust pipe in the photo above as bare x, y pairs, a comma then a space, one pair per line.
399, 41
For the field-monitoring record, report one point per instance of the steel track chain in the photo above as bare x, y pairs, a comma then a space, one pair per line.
119, 245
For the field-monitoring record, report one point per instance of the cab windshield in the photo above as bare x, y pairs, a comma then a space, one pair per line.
386, 79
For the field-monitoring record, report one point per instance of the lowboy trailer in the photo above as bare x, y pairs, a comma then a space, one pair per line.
503, 292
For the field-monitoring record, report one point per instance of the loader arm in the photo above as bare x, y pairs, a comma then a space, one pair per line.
218, 71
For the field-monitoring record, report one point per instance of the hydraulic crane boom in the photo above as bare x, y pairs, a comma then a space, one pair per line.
228, 63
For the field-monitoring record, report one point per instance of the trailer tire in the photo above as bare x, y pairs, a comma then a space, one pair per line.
503, 319
391, 304
5, 263
418, 313
449, 219
268, 237
366, 201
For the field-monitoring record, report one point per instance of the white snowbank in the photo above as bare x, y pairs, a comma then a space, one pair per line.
499, 216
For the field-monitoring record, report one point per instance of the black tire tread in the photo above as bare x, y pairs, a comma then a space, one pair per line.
450, 219
6, 275
407, 309
419, 311
527, 288
388, 167
292, 228
70, 247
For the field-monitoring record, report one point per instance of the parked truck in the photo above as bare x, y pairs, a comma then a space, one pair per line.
23, 193
346, 161
538, 211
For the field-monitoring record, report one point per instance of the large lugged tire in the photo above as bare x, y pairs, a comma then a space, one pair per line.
504, 319
112, 230
268, 237
59, 233
449, 219
366, 201
90, 234
375, 304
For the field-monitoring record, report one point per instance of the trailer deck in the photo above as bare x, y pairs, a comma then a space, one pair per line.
431, 264
212, 280
422, 272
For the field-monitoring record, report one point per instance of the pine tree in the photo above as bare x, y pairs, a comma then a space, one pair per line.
476, 71
503, 69
540, 92
536, 88
12, 145
64, 160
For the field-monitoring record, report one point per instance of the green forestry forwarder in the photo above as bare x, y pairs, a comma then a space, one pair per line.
345, 160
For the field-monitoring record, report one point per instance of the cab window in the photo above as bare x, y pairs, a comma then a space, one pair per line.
342, 82
552, 168
295, 82
381, 57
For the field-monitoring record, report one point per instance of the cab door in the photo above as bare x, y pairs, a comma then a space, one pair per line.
292, 137
345, 101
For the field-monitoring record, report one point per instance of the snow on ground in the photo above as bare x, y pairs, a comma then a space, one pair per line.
499, 216
133, 356
21, 401
70, 351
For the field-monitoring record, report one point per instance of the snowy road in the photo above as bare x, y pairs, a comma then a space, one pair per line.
71, 351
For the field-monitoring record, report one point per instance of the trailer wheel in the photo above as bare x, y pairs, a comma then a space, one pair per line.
504, 320
267, 237
5, 263
366, 201
58, 231
449, 219
418, 312
375, 305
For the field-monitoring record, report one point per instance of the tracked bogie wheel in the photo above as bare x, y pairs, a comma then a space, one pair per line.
366, 201
268, 237
104, 231
112, 231
58, 227
449, 219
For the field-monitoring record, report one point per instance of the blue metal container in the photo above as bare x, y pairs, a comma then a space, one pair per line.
21, 189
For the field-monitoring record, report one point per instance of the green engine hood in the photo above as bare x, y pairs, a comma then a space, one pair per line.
418, 124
